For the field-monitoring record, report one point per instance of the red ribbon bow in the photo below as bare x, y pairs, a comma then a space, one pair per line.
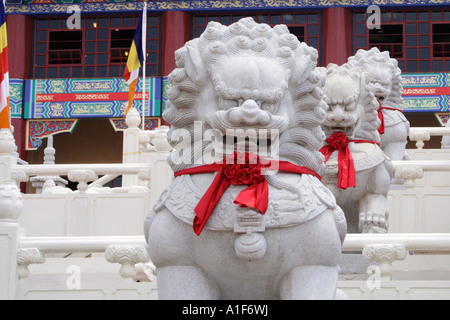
238, 169
346, 169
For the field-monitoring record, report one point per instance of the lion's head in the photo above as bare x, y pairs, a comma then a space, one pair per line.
352, 106
246, 76
384, 74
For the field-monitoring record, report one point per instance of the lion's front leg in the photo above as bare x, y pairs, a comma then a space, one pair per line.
311, 283
373, 215
186, 282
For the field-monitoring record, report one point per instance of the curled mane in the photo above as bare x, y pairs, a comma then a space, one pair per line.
373, 57
197, 78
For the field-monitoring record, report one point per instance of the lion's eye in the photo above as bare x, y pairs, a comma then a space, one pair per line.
267, 106
227, 103
351, 106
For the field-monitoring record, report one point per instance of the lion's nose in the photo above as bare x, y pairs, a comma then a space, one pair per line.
337, 117
248, 114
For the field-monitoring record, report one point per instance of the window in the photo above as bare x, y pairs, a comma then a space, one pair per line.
99, 49
441, 40
388, 38
65, 47
305, 25
121, 41
419, 39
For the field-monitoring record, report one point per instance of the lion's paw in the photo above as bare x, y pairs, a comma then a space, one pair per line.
373, 222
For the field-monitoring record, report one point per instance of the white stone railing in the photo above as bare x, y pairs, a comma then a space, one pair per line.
79, 244
103, 180
384, 249
411, 241
127, 251
410, 170
144, 159
421, 134
81, 173
142, 151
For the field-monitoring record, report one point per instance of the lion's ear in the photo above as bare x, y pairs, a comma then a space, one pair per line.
195, 68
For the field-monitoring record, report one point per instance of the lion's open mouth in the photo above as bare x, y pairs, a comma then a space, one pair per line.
252, 143
329, 130
262, 142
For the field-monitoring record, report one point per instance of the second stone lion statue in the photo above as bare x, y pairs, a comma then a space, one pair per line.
385, 75
357, 171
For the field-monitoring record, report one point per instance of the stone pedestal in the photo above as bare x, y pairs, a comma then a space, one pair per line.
10, 208
9, 241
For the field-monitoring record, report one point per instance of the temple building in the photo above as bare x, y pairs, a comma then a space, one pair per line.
67, 59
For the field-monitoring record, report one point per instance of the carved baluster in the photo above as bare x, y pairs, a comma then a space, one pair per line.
11, 202
160, 140
25, 257
384, 255
145, 142
38, 182
82, 177
127, 256
419, 137
409, 174
145, 175
19, 176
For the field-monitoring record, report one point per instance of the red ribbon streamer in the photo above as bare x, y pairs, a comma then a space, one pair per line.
255, 196
381, 116
346, 169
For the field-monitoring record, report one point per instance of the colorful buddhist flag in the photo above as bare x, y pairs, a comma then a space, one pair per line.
5, 121
136, 59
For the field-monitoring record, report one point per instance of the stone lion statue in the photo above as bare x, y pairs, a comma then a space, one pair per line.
357, 170
226, 229
385, 75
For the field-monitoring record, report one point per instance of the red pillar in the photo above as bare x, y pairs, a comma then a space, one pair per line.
176, 25
19, 28
337, 35
19, 45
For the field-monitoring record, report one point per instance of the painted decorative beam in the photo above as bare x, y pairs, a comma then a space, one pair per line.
92, 6
15, 97
87, 98
426, 92
37, 130
150, 123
